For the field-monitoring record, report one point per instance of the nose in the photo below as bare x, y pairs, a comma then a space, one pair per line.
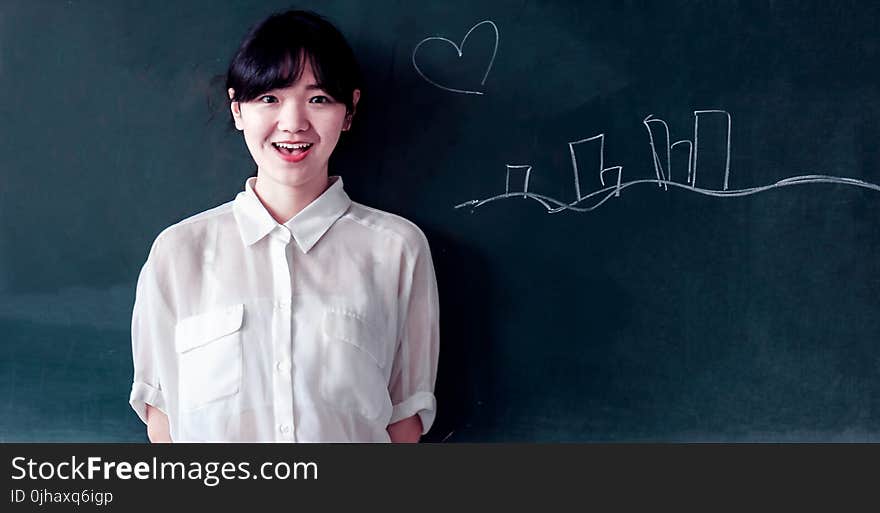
293, 118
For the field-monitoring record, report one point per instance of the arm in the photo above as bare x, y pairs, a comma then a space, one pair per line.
408, 430
152, 336
157, 425
414, 370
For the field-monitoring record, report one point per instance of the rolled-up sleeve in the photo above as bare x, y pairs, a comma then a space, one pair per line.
151, 328
414, 371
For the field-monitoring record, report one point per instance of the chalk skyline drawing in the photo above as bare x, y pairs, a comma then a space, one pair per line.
662, 154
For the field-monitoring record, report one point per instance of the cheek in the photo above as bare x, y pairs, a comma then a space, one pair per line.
252, 141
254, 134
255, 144
253, 124
333, 128
333, 122
331, 141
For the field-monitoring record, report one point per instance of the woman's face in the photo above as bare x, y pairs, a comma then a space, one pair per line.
291, 132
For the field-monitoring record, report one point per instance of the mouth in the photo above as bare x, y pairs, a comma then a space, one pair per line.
292, 152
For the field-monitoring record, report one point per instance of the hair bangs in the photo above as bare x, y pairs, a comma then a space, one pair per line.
275, 53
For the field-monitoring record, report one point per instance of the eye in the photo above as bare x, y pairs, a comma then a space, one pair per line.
267, 98
320, 99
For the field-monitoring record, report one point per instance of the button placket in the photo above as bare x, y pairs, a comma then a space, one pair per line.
281, 340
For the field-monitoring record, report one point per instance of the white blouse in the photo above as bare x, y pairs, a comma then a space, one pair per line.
323, 329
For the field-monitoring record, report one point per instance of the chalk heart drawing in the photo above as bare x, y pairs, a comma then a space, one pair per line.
460, 49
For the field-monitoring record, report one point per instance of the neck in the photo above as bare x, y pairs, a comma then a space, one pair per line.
285, 201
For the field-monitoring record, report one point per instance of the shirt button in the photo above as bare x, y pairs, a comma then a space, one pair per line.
282, 304
284, 428
283, 366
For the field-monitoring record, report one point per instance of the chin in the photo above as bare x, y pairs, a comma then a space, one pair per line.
292, 177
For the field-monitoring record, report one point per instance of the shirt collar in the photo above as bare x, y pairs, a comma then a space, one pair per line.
307, 227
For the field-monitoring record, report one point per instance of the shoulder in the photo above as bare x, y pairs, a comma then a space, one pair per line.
387, 225
190, 234
178, 255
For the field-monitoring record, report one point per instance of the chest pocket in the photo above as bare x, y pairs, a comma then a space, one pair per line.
209, 356
355, 356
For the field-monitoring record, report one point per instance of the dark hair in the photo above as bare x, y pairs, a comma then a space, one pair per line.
275, 51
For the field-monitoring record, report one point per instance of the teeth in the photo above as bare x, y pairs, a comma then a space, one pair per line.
302, 146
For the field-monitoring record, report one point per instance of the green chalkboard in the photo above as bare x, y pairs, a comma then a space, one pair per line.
650, 220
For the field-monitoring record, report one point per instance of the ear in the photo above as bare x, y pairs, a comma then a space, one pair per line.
235, 107
356, 95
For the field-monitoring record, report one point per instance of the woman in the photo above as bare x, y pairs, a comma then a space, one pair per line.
290, 313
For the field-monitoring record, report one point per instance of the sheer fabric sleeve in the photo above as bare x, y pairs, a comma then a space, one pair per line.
414, 370
152, 329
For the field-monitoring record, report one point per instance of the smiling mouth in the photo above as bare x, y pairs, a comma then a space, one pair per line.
292, 149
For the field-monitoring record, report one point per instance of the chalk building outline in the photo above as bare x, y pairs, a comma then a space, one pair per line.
662, 152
